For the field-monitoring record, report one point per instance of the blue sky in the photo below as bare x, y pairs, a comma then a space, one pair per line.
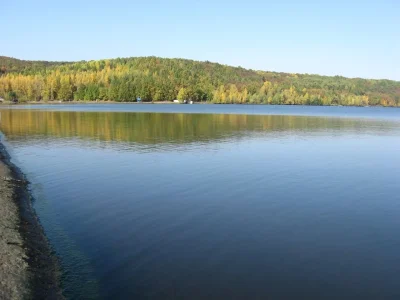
351, 38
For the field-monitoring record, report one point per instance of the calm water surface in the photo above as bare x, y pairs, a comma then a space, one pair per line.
215, 202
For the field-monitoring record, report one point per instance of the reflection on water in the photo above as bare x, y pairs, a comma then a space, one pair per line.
159, 128
212, 206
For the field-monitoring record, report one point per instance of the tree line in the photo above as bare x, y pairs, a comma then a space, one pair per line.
160, 79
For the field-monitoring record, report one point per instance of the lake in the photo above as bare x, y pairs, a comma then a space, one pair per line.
215, 202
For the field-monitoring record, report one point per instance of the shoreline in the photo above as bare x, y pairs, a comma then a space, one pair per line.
28, 267
62, 102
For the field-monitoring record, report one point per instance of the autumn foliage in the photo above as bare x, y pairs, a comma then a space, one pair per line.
160, 79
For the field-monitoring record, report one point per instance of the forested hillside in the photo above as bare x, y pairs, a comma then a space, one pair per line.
9, 64
160, 79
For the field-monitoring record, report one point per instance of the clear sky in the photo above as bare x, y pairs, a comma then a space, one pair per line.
343, 37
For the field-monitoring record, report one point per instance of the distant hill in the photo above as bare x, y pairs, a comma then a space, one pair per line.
160, 79
9, 64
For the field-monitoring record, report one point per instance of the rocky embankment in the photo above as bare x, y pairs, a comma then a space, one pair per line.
28, 269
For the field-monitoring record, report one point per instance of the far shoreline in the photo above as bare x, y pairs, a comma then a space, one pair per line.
100, 102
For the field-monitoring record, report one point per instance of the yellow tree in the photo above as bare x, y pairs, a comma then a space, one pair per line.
181, 94
65, 91
244, 96
233, 93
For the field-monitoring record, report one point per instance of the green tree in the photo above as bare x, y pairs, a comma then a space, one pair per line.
12, 96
